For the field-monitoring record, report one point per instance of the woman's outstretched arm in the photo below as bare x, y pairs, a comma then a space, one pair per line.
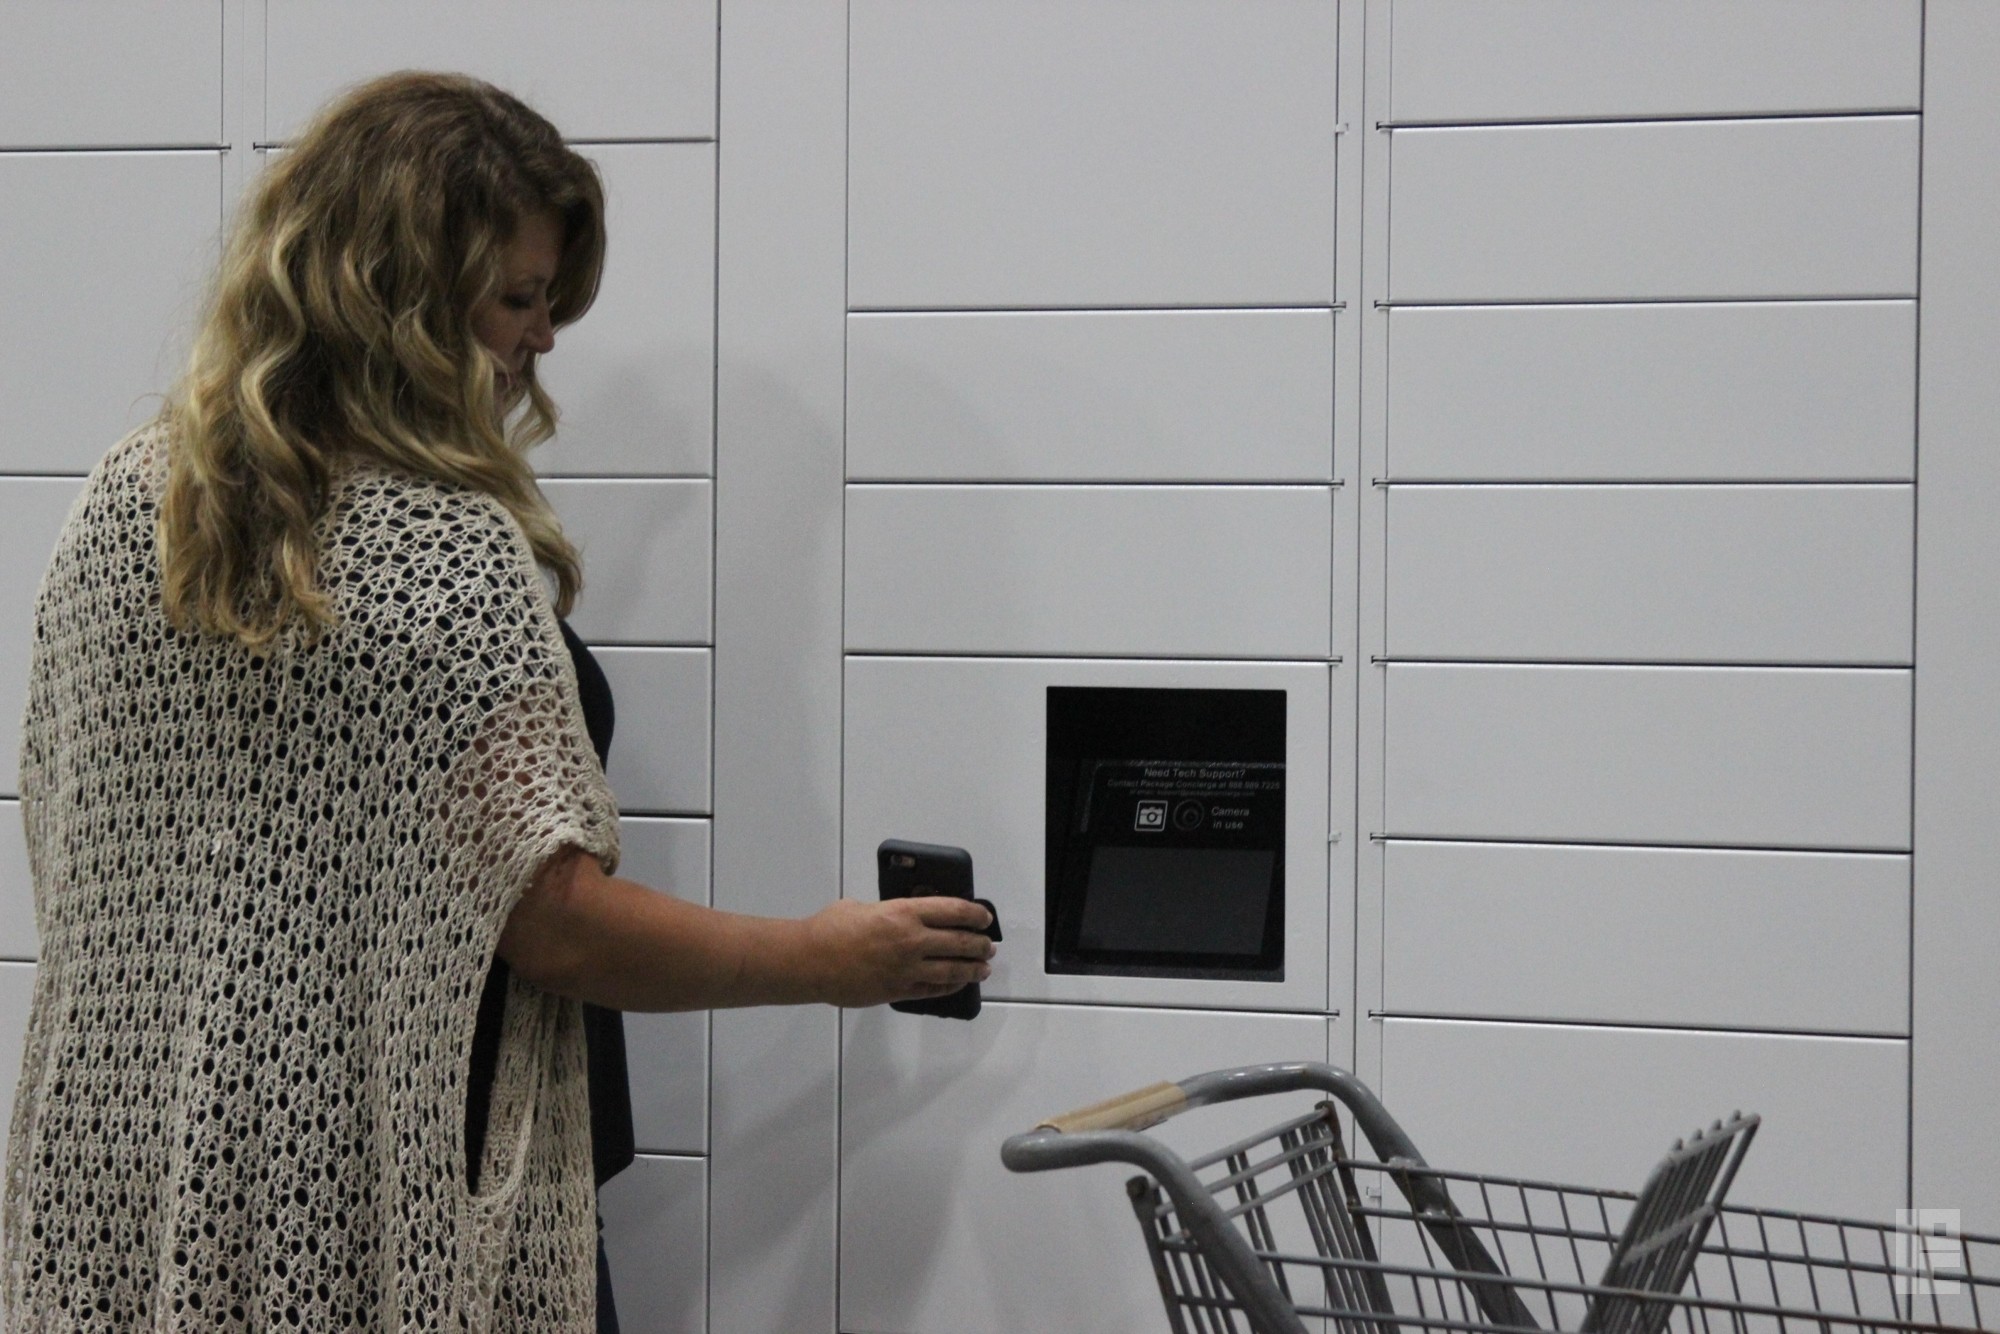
579, 932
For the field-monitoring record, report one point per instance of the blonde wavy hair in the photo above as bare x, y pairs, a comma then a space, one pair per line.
339, 328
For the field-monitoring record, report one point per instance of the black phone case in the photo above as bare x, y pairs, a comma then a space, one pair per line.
916, 870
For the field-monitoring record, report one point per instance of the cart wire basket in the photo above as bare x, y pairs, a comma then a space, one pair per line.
1286, 1232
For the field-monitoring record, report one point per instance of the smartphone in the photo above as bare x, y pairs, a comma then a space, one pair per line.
920, 870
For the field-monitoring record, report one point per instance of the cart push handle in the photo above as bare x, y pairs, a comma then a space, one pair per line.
1136, 1110
1149, 1106
1108, 1132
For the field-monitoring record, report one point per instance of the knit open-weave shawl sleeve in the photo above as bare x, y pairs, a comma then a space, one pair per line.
269, 889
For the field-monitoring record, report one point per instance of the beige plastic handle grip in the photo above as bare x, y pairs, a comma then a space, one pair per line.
1128, 1111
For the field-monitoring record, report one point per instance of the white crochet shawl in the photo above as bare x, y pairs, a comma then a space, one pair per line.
268, 890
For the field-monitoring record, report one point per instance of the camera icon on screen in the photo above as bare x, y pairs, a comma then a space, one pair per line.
1151, 817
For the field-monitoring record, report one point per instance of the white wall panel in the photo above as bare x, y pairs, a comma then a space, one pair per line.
32, 510
670, 855
938, 1238
1231, 572
102, 259
1756, 757
1652, 573
17, 997
1050, 154
1781, 940
1601, 1106
781, 293
1728, 391
648, 558
1091, 396
656, 1241
1768, 208
600, 69
1474, 60
154, 73
666, 1055
660, 762
1955, 1075
955, 751
635, 378
18, 937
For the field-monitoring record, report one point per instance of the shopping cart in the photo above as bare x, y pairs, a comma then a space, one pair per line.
1290, 1232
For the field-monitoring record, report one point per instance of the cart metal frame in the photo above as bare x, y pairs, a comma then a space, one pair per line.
1288, 1231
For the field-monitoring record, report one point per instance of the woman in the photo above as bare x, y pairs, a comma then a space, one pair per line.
305, 755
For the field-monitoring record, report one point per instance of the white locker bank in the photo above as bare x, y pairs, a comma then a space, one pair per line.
1551, 447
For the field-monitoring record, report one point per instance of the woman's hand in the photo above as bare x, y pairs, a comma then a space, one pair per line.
899, 949
579, 932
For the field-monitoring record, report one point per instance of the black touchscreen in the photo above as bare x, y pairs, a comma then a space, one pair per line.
1166, 832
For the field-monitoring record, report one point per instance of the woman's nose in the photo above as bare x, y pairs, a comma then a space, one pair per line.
541, 336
